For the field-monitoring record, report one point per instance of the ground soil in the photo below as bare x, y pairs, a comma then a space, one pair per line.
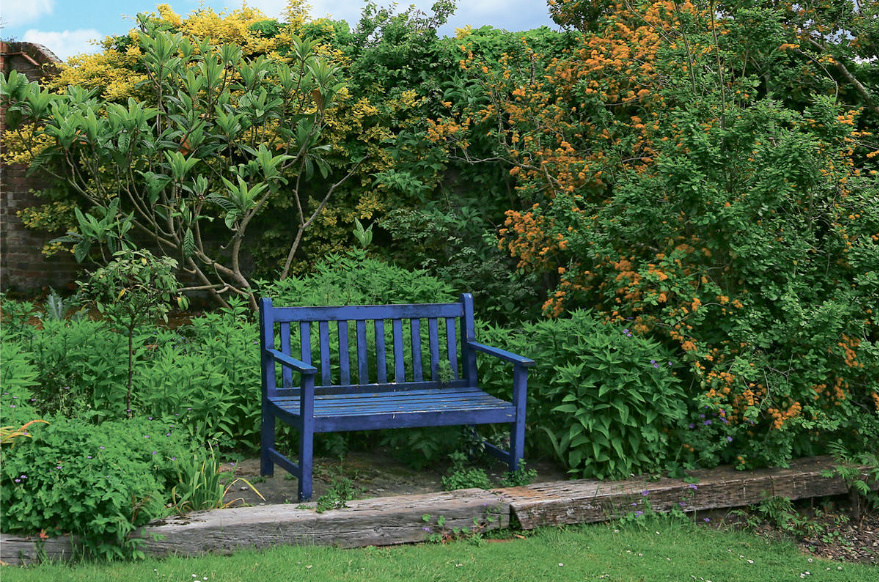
371, 474
833, 530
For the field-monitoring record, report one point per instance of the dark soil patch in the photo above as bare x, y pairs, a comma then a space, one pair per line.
371, 475
828, 528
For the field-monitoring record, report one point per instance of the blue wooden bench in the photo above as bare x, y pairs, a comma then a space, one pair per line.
377, 367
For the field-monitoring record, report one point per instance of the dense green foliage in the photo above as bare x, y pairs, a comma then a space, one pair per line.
99, 482
603, 399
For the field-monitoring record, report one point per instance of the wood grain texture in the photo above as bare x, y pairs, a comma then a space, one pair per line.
398, 520
371, 522
17, 550
586, 501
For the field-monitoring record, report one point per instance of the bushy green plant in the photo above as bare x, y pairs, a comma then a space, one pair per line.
462, 477
133, 289
82, 367
356, 279
227, 342
97, 482
602, 398
15, 316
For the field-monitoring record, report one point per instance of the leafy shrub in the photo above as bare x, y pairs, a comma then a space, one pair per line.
15, 316
604, 399
133, 289
82, 367
461, 477
356, 279
97, 482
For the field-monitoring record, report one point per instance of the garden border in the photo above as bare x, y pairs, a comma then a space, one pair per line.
384, 521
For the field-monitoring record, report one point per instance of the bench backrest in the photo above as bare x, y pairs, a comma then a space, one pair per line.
364, 347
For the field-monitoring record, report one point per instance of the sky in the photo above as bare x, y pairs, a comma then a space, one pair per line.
69, 27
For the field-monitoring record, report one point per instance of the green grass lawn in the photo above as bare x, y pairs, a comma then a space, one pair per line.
653, 550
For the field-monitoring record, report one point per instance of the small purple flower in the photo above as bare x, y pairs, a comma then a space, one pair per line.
146, 436
154, 452
427, 529
707, 520
682, 504
729, 439
11, 406
15, 397
167, 434
692, 425
701, 416
645, 493
89, 457
149, 418
58, 467
708, 422
173, 458
17, 480
670, 364
725, 421
655, 365
693, 486
23, 477
639, 513
652, 361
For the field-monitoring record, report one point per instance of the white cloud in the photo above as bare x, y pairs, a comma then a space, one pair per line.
66, 43
18, 12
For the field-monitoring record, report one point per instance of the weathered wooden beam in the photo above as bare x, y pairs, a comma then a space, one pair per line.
371, 522
586, 501
398, 520
18, 550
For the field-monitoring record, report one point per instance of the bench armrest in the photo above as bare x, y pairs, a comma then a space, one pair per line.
286, 360
502, 354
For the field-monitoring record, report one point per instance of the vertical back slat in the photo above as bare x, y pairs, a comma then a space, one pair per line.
415, 329
286, 373
305, 341
344, 359
452, 346
433, 344
399, 364
381, 371
326, 377
362, 351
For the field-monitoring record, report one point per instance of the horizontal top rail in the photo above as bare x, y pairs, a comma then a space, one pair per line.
366, 312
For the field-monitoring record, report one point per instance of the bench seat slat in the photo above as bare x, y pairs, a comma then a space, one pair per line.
441, 407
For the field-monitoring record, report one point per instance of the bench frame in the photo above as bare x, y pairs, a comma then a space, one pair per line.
422, 401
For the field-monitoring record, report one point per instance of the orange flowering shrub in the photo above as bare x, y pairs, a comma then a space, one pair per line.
666, 185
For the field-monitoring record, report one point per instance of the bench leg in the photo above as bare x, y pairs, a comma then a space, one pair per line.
306, 462
267, 441
517, 444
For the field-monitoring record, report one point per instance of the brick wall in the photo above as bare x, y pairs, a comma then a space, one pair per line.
23, 268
